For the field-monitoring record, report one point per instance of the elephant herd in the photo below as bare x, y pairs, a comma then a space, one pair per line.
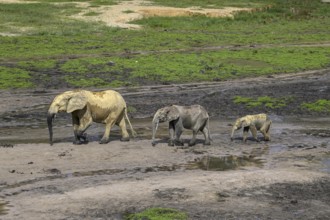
109, 107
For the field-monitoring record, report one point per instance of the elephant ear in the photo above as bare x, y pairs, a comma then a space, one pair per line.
244, 123
76, 102
173, 113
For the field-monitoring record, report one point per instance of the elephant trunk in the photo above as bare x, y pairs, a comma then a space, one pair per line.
50, 119
155, 123
232, 133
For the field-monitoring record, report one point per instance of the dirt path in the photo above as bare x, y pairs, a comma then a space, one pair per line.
287, 178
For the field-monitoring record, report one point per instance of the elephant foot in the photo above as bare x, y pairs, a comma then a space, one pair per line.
104, 141
171, 143
192, 144
266, 139
179, 143
207, 143
78, 142
124, 139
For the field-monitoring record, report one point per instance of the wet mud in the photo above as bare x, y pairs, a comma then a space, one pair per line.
286, 178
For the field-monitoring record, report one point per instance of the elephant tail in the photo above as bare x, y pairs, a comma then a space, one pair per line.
208, 128
134, 134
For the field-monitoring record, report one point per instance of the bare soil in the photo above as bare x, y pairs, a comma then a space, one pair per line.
286, 178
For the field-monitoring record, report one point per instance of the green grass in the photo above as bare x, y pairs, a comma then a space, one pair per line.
14, 78
321, 105
43, 37
263, 101
41, 65
158, 214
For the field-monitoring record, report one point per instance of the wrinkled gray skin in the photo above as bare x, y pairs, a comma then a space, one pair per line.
193, 117
107, 107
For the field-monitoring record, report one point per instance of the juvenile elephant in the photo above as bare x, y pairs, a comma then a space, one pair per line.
193, 117
259, 122
107, 107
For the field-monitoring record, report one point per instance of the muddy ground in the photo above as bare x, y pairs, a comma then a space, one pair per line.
286, 178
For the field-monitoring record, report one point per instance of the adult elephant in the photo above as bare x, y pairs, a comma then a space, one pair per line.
193, 117
107, 107
258, 122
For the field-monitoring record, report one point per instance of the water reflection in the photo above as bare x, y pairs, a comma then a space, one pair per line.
224, 163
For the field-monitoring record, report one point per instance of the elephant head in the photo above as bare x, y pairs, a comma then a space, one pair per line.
69, 102
241, 122
169, 113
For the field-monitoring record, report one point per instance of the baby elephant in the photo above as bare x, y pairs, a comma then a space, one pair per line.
193, 117
259, 122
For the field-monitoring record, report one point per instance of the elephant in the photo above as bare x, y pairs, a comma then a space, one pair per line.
258, 122
193, 117
107, 107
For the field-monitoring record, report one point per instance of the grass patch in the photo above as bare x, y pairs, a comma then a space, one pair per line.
11, 78
128, 11
40, 65
158, 214
92, 13
48, 36
263, 101
184, 67
321, 105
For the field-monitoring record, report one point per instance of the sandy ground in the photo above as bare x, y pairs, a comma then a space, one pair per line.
287, 178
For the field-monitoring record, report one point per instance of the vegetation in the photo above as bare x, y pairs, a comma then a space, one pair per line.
43, 37
14, 78
158, 214
263, 101
321, 105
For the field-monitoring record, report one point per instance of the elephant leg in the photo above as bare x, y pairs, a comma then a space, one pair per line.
254, 132
178, 132
79, 127
245, 133
265, 130
192, 142
110, 121
124, 133
206, 133
171, 130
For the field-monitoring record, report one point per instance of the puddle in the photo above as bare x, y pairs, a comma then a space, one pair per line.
225, 163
